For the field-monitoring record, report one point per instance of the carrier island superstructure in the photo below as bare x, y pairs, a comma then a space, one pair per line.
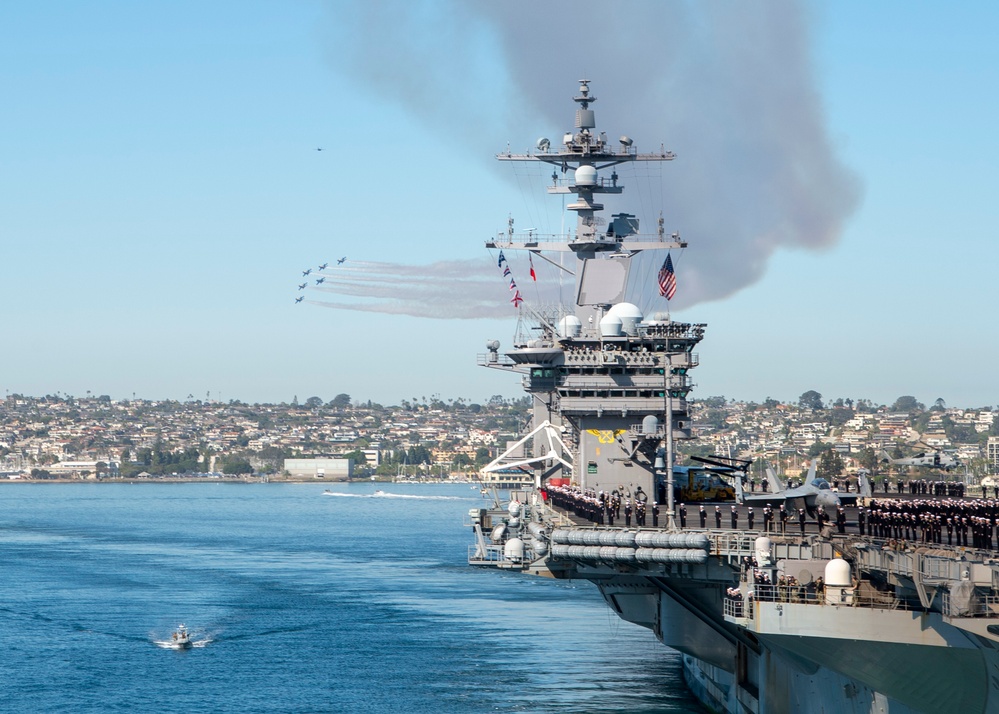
895, 628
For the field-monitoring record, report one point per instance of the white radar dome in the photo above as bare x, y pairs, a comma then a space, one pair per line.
838, 573
570, 326
514, 549
586, 176
658, 318
629, 315
610, 326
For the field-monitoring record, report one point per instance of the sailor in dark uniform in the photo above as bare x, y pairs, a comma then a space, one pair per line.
750, 516
801, 520
717, 516
735, 517
683, 516
704, 517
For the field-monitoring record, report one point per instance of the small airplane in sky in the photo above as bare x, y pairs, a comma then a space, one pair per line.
320, 281
306, 272
341, 260
323, 266
303, 286
319, 148
299, 299
813, 493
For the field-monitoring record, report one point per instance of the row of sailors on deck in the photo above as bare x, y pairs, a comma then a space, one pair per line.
928, 519
953, 489
600, 507
773, 520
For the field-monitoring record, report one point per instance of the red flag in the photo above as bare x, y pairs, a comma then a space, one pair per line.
534, 276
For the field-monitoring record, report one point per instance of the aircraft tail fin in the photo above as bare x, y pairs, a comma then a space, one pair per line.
777, 481
811, 472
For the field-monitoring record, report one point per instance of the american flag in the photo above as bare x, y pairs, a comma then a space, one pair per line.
667, 280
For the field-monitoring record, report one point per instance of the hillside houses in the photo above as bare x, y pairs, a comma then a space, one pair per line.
92, 437
38, 434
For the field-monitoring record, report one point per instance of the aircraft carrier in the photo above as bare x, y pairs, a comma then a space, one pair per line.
769, 617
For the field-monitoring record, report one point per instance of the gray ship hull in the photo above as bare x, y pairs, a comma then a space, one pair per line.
766, 622
935, 667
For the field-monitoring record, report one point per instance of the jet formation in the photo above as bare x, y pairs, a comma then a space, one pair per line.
319, 281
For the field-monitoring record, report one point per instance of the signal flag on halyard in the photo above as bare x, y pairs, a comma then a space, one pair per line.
516, 299
502, 259
667, 279
534, 276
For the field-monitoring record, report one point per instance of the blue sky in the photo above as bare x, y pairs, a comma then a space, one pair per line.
162, 191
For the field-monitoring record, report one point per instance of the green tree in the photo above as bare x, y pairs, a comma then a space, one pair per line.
907, 404
839, 417
358, 457
810, 400
482, 457
830, 465
237, 466
868, 459
818, 448
340, 401
313, 402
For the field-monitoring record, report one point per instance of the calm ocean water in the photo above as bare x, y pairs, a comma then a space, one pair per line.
302, 602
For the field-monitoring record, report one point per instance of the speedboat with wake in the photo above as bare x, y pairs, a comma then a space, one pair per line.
181, 639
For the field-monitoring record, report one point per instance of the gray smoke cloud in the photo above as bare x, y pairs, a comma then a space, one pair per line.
728, 86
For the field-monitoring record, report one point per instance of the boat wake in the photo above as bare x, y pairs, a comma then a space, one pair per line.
383, 494
171, 645
181, 640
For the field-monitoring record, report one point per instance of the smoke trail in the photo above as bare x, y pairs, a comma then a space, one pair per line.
728, 86
454, 289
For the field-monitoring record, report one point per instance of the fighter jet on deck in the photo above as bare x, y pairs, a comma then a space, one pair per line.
813, 493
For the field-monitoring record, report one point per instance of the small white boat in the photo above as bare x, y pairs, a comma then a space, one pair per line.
181, 639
